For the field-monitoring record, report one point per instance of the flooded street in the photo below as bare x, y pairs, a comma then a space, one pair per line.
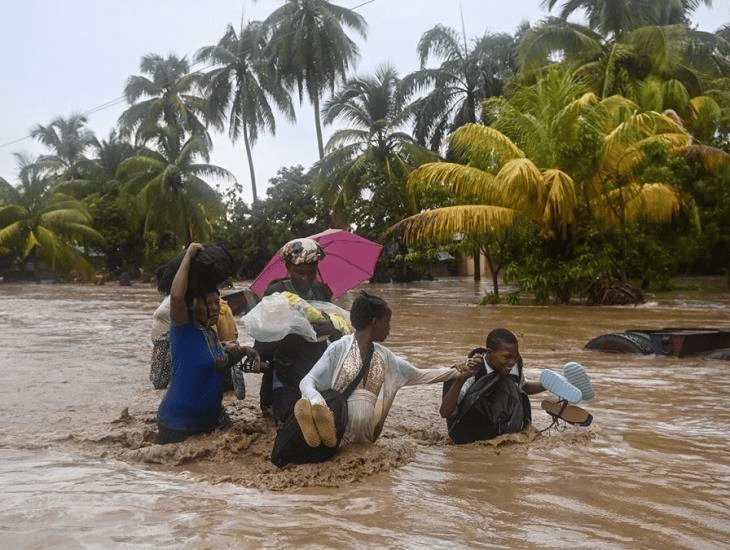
79, 466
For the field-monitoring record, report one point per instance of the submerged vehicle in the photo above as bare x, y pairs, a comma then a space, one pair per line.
678, 342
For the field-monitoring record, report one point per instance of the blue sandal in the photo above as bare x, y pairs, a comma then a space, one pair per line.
557, 383
576, 374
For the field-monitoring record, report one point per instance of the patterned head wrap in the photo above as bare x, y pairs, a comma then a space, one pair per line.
302, 251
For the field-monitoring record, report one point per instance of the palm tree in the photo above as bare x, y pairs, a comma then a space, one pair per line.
499, 180
614, 17
657, 67
241, 86
455, 88
68, 140
37, 221
168, 184
170, 98
97, 175
374, 140
310, 48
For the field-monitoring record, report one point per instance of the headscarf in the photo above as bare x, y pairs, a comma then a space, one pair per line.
302, 251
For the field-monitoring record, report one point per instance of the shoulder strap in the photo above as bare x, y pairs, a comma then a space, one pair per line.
365, 366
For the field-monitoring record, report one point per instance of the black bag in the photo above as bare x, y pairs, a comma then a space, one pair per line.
210, 267
492, 406
289, 445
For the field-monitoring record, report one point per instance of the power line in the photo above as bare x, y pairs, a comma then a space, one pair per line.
122, 99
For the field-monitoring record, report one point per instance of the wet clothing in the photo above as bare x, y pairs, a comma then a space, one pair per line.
161, 363
161, 319
290, 358
192, 403
515, 373
369, 404
489, 405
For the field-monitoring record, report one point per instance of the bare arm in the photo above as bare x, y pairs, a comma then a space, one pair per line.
451, 398
178, 308
532, 388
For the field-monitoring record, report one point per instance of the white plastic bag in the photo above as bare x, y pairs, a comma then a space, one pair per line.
273, 318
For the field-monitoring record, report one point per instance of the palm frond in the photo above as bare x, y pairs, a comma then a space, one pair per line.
464, 182
521, 186
561, 202
443, 224
481, 145
11, 232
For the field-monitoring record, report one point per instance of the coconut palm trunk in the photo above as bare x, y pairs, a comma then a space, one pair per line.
249, 157
318, 126
493, 270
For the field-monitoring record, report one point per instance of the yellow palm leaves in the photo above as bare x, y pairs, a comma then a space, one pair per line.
491, 201
442, 224
496, 182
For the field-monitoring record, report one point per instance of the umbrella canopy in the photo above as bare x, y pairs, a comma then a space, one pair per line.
349, 260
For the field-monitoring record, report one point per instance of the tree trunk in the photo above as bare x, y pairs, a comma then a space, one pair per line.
477, 266
250, 162
318, 126
494, 270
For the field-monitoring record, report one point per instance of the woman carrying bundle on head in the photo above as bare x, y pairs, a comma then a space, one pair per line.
367, 373
193, 401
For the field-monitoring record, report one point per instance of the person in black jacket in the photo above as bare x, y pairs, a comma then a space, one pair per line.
490, 398
291, 358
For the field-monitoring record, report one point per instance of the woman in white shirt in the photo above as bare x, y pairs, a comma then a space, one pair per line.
384, 374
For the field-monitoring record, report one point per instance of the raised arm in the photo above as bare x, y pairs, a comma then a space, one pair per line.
178, 307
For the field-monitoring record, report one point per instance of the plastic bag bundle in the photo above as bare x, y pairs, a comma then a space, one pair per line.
280, 314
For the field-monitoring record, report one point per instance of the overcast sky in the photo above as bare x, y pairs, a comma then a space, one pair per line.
59, 57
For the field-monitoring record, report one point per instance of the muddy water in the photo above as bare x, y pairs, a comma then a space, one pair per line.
79, 467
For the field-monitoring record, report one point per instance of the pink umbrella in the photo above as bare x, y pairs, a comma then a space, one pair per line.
349, 260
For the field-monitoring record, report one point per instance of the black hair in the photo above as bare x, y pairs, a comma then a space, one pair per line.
365, 308
201, 292
500, 336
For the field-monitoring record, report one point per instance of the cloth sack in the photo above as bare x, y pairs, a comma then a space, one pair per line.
161, 362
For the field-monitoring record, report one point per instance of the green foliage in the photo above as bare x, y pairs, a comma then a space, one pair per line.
465, 76
403, 264
168, 184
310, 48
253, 234
170, 98
489, 299
37, 222
124, 248
374, 152
242, 86
559, 270
566, 181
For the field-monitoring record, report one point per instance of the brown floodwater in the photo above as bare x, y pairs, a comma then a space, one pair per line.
79, 466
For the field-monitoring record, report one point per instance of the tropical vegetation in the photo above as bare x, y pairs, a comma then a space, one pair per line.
568, 152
